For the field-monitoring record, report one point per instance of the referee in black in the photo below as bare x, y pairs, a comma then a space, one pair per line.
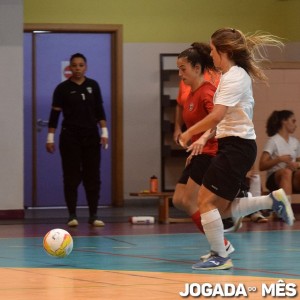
79, 99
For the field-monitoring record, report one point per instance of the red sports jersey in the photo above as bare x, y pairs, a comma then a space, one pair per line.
184, 90
183, 93
197, 106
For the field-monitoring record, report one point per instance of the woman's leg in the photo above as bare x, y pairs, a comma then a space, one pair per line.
283, 179
276, 201
214, 230
185, 199
91, 158
70, 151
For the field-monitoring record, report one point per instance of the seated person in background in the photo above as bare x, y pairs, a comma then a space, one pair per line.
281, 154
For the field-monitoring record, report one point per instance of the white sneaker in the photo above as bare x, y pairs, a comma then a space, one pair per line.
97, 223
73, 223
282, 206
229, 249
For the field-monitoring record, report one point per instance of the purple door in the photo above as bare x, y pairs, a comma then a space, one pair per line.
43, 172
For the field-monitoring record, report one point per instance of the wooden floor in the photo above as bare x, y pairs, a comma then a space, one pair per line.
125, 261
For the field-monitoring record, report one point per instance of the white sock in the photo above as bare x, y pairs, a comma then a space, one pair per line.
214, 231
241, 207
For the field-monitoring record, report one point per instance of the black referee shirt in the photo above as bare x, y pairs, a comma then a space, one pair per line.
82, 105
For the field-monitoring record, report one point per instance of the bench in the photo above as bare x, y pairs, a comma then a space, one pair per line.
296, 203
163, 206
295, 199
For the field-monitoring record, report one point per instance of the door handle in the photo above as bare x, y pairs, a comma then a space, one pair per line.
42, 123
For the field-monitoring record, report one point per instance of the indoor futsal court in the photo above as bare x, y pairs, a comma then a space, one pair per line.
126, 261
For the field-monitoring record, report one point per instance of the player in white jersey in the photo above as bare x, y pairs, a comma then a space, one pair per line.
233, 54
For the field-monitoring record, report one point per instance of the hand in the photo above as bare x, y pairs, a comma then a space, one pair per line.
197, 147
293, 165
104, 142
176, 136
183, 139
176, 139
50, 147
285, 158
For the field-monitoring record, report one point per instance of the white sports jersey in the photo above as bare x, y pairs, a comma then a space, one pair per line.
235, 92
278, 146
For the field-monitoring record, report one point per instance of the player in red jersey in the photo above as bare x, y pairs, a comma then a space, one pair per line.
195, 102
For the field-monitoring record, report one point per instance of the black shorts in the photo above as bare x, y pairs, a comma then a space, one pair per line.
196, 169
271, 184
226, 174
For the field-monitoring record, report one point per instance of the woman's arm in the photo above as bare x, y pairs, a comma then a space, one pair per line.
178, 122
266, 162
210, 121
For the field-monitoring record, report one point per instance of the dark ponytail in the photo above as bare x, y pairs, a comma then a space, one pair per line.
199, 53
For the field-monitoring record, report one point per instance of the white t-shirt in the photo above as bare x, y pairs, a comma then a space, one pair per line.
278, 146
235, 92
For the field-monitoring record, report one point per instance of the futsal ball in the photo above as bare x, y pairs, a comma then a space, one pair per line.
58, 243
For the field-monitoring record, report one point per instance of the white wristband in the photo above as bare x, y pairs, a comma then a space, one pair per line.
50, 138
104, 132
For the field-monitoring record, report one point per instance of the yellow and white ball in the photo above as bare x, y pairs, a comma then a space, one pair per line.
58, 243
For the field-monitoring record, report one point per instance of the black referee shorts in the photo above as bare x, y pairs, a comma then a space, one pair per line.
226, 174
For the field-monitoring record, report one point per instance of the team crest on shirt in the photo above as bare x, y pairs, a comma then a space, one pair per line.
89, 89
191, 106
